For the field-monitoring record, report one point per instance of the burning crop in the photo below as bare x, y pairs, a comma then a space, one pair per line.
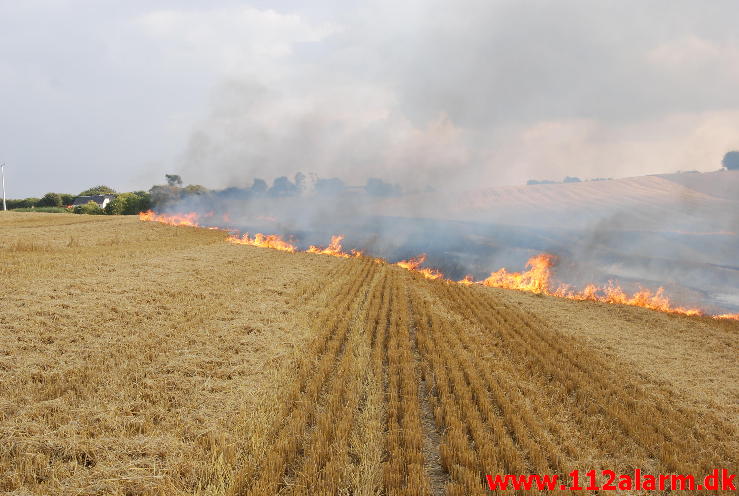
334, 249
188, 219
538, 277
273, 241
414, 264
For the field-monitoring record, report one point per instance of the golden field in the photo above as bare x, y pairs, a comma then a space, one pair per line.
138, 358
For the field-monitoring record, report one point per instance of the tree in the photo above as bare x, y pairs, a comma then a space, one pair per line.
378, 187
67, 199
90, 208
98, 190
259, 187
194, 189
143, 203
330, 186
301, 182
283, 187
173, 179
29, 203
51, 200
731, 160
161, 195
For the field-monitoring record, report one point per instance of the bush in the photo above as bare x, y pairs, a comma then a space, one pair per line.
129, 204
90, 208
25, 203
51, 200
731, 161
98, 190
378, 187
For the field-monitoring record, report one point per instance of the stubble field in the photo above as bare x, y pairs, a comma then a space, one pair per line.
138, 358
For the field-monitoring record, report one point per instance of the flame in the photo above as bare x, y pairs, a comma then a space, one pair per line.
334, 249
727, 316
273, 241
536, 279
189, 219
413, 265
539, 277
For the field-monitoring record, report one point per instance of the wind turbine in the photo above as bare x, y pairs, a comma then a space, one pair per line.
2, 168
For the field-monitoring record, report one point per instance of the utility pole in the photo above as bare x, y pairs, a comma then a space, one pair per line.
2, 168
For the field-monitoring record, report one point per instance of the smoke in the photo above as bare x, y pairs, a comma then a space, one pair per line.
414, 125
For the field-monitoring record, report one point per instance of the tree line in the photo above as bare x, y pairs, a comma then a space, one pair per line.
160, 195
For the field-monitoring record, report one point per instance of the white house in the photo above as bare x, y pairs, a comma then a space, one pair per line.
101, 200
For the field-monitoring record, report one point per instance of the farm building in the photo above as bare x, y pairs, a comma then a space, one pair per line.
101, 200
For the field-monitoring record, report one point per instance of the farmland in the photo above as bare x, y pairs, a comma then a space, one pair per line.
139, 358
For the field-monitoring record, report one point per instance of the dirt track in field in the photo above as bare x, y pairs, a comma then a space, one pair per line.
146, 359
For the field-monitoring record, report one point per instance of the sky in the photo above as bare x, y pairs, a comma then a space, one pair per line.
444, 94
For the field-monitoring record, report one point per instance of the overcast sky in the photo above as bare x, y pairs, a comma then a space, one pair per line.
466, 92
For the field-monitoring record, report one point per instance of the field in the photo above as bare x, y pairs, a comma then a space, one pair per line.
139, 358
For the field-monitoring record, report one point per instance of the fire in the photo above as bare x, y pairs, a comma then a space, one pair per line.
727, 316
273, 241
189, 219
534, 280
538, 277
413, 265
334, 249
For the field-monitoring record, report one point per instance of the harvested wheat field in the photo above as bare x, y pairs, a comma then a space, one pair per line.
139, 358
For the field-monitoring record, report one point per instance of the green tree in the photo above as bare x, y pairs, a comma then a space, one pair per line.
161, 195
117, 205
29, 203
731, 160
50, 200
143, 203
98, 190
90, 208
67, 199
129, 204
194, 189
173, 180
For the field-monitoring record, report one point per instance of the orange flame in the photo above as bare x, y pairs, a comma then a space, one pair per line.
539, 276
334, 249
189, 219
727, 316
537, 279
413, 265
273, 241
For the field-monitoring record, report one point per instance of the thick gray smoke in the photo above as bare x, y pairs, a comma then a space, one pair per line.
642, 232
414, 122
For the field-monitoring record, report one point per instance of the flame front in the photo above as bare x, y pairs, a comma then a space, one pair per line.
334, 249
273, 241
539, 277
536, 279
727, 316
189, 219
413, 265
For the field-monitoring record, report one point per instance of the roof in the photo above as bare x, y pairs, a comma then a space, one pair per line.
84, 200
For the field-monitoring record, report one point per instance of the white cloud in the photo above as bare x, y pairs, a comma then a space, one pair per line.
235, 40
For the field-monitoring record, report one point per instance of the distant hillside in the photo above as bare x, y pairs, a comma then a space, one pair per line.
676, 202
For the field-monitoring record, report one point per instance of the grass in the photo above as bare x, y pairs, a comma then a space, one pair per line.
139, 358
46, 210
